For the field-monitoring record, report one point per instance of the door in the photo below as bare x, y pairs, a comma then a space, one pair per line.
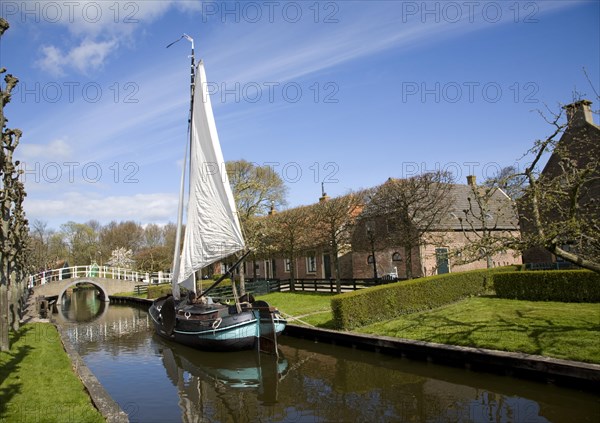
441, 258
326, 266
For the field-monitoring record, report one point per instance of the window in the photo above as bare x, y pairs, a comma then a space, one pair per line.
392, 225
311, 263
370, 259
288, 265
396, 256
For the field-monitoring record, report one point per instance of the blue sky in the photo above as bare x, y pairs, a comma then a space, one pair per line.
343, 92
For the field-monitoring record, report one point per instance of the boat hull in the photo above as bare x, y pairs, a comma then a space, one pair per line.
234, 331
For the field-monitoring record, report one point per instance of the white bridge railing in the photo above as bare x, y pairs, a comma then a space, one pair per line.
95, 271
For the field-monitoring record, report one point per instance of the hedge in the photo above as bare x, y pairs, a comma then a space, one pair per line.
576, 286
385, 302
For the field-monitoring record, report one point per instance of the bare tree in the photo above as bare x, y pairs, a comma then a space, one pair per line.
334, 221
489, 224
561, 208
412, 208
255, 189
289, 233
508, 181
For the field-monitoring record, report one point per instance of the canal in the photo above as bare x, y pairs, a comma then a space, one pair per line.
157, 381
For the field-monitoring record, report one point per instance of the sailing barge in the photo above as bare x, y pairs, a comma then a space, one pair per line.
212, 233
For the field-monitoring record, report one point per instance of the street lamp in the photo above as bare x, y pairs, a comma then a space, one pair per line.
371, 237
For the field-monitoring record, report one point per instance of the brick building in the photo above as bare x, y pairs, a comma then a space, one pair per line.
442, 251
356, 259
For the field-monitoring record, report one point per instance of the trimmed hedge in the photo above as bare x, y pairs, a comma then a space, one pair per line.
576, 286
386, 302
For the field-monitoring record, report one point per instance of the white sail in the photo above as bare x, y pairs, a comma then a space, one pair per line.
213, 230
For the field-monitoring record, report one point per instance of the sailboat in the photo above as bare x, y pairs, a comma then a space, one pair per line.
212, 233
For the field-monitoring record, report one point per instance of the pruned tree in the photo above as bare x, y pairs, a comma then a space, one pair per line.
412, 208
335, 218
560, 210
14, 257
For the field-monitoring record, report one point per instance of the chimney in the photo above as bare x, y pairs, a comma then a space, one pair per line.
272, 210
471, 180
579, 113
324, 196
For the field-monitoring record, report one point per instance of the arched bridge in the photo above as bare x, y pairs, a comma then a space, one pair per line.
108, 280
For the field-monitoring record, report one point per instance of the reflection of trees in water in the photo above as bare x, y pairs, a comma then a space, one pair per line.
106, 331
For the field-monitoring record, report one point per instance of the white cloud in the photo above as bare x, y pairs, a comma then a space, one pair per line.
52, 61
77, 206
88, 56
94, 29
57, 149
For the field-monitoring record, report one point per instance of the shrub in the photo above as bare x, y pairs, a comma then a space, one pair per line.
359, 308
549, 285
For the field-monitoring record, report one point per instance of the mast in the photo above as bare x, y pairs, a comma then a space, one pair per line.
177, 252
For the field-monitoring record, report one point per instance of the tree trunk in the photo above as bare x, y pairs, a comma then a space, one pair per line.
336, 265
574, 258
4, 339
292, 275
242, 279
13, 307
408, 265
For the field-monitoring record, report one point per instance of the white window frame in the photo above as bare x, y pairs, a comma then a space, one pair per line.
311, 263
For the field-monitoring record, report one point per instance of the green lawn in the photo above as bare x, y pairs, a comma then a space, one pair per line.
37, 382
562, 330
311, 308
130, 294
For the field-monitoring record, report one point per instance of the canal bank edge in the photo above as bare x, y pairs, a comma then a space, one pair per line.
553, 370
108, 407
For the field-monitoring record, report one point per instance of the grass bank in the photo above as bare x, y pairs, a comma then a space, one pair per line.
561, 330
311, 308
569, 331
37, 382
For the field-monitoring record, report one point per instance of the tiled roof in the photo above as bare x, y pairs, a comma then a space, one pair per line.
501, 213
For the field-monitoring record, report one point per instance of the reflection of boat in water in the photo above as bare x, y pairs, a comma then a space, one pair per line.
204, 378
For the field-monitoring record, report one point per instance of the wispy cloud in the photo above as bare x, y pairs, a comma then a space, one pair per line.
58, 149
157, 207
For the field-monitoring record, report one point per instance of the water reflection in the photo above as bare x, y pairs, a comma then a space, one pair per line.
82, 304
157, 381
199, 375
